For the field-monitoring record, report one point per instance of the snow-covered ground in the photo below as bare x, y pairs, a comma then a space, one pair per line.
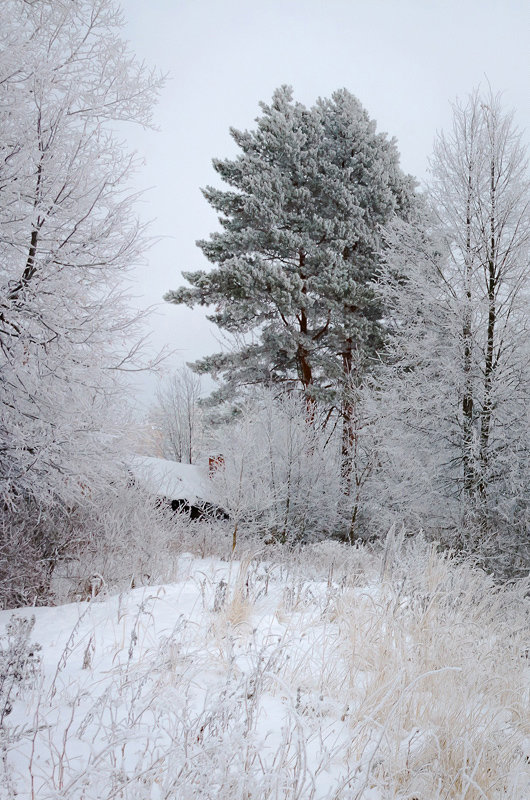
326, 678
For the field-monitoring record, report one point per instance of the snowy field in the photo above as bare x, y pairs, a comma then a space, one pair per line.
334, 675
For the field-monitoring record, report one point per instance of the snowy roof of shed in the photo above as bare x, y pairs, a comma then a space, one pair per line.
171, 479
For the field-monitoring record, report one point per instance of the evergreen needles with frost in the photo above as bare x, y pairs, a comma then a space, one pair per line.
299, 246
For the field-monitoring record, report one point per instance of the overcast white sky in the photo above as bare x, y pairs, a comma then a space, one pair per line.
404, 59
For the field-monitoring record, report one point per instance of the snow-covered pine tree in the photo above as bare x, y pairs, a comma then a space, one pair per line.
456, 387
299, 245
360, 171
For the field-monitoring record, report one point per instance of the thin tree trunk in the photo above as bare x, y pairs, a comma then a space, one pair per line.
467, 398
487, 406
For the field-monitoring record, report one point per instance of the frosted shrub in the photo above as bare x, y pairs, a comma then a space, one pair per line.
19, 662
33, 540
280, 475
127, 540
114, 539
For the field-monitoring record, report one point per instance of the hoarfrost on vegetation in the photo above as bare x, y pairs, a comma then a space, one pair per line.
373, 678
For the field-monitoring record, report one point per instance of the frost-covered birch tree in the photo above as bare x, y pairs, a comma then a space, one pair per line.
68, 234
457, 384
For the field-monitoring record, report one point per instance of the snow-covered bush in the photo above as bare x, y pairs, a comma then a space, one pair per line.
280, 472
34, 539
125, 539
19, 662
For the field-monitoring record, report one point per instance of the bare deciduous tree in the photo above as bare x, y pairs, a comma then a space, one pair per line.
178, 416
481, 199
68, 236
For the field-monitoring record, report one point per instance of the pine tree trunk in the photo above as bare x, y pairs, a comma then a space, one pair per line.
304, 364
353, 473
305, 370
348, 427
